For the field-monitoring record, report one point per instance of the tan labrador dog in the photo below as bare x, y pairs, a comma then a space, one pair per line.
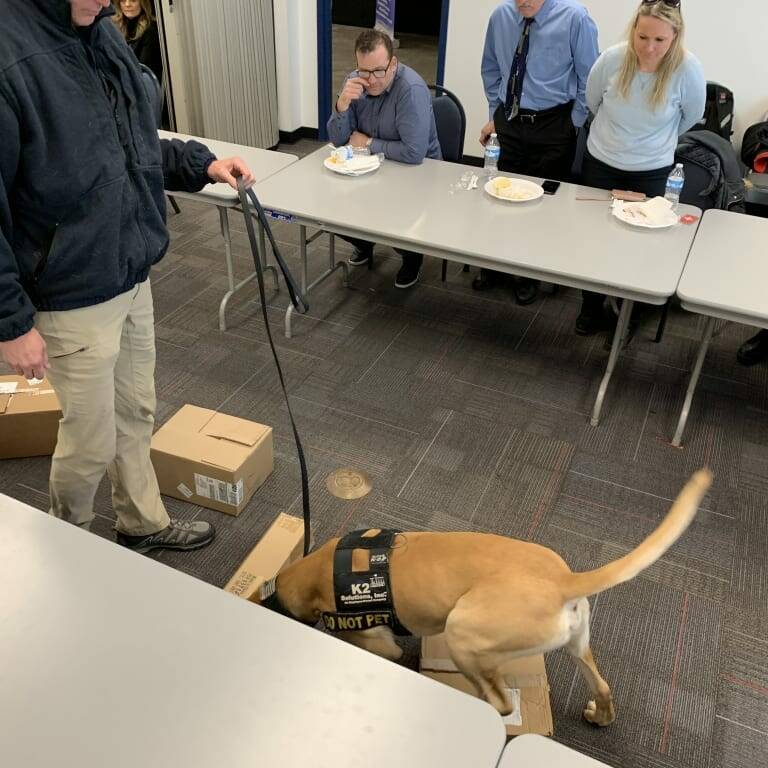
494, 598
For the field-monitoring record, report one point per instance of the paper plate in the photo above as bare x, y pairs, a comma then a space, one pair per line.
530, 189
357, 166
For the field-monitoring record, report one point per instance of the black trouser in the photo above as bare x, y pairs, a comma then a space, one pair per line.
595, 173
410, 258
537, 143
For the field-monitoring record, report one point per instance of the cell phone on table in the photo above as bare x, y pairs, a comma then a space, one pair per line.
550, 187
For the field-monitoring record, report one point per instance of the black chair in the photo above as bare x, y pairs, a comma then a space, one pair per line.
451, 124
156, 98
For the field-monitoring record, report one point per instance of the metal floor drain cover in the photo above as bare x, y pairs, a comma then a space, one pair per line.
348, 483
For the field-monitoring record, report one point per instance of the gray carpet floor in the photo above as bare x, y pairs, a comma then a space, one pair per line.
471, 413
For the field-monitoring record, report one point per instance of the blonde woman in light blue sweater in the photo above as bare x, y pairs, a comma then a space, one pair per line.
643, 94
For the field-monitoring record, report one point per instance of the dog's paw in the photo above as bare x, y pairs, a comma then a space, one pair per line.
602, 717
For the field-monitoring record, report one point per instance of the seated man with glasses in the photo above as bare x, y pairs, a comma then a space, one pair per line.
386, 107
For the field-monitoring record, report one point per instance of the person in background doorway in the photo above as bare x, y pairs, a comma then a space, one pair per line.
643, 93
536, 60
136, 21
385, 106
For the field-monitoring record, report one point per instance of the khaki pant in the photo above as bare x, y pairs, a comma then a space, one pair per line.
102, 367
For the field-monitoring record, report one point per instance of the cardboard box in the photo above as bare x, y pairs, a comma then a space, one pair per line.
281, 545
29, 418
211, 459
526, 677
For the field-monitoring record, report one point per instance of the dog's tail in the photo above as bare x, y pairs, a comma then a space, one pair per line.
650, 550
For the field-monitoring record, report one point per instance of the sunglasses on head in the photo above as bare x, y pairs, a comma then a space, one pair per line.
668, 3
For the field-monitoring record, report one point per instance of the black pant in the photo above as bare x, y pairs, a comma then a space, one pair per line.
537, 144
410, 258
595, 173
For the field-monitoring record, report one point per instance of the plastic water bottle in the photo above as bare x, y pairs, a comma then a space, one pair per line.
675, 182
492, 152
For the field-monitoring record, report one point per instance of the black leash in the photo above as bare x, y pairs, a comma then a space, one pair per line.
300, 305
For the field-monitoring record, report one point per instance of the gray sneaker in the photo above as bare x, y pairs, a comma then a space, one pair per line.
180, 534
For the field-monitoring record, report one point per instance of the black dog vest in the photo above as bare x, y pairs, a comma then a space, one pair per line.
363, 598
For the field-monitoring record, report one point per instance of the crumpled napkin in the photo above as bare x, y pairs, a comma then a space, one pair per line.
657, 210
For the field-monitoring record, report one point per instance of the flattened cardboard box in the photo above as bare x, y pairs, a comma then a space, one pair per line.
212, 459
281, 545
29, 418
526, 677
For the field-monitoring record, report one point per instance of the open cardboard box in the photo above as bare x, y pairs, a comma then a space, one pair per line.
29, 418
526, 677
282, 544
212, 459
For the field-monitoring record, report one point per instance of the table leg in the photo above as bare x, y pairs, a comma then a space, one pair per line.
695, 373
263, 254
618, 340
224, 222
304, 241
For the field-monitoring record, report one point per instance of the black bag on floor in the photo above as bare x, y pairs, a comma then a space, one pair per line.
713, 173
754, 145
718, 112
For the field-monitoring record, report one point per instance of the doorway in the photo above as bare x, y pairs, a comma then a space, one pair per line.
420, 34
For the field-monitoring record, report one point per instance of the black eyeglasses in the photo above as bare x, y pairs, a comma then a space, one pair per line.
377, 73
668, 3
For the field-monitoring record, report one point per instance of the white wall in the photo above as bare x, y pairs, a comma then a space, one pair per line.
296, 54
730, 44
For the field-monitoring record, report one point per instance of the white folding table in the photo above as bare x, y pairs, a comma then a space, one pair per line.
532, 751
109, 658
725, 278
264, 163
558, 238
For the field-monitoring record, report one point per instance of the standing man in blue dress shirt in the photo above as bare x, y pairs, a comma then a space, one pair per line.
386, 107
537, 56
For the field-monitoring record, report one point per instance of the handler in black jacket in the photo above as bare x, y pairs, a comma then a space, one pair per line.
82, 220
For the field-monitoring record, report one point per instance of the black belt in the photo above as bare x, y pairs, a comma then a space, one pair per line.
531, 115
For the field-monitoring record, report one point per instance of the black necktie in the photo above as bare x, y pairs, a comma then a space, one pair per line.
517, 73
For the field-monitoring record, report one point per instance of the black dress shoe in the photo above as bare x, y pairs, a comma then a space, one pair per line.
526, 290
588, 323
485, 280
754, 350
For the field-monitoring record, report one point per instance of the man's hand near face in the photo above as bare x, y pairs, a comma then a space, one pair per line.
353, 89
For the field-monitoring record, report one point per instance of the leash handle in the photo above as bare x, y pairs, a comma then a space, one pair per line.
301, 306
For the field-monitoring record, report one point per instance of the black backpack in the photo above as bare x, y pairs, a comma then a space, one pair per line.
718, 112
713, 174
755, 142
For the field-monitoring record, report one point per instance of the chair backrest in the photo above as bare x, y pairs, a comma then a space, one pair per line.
581, 148
450, 121
154, 92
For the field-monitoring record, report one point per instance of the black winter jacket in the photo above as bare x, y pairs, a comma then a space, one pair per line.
147, 49
82, 172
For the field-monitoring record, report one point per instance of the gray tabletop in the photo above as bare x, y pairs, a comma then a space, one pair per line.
531, 751
559, 238
108, 658
263, 162
727, 270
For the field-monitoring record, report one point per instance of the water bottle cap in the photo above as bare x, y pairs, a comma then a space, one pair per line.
493, 135
678, 165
